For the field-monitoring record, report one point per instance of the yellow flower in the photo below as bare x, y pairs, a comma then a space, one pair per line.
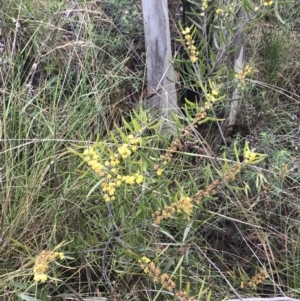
130, 180
186, 205
92, 162
124, 151
186, 31
139, 179
111, 191
144, 259
106, 198
249, 155
194, 59
40, 277
135, 141
207, 105
41, 264
215, 92
159, 171
188, 37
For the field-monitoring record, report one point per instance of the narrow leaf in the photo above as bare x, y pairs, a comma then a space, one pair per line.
277, 12
27, 298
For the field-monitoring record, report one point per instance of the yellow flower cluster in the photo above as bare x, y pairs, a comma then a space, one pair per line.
192, 50
127, 148
135, 178
41, 264
149, 268
159, 171
258, 278
111, 182
249, 156
167, 157
184, 205
210, 190
177, 144
268, 3
204, 7
109, 186
92, 159
211, 99
219, 11
225, 12
108, 170
182, 296
264, 4
241, 75
187, 204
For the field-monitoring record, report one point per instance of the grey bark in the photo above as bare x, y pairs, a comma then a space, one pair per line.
239, 43
160, 72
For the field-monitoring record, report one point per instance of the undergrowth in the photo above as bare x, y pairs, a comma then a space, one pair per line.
96, 204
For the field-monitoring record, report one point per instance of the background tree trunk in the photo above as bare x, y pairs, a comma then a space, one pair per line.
160, 73
231, 115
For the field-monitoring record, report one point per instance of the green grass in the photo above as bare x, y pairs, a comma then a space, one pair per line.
88, 78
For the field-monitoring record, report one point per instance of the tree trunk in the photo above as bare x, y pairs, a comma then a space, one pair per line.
160, 72
239, 44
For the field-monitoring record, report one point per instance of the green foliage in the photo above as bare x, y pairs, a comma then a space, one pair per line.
271, 49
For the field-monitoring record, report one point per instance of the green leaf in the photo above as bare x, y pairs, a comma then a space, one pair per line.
113, 137
93, 188
209, 119
123, 136
127, 126
21, 245
71, 150
208, 296
236, 151
188, 288
136, 126
187, 230
180, 279
277, 12
28, 298
178, 265
259, 158
208, 175
167, 234
202, 290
